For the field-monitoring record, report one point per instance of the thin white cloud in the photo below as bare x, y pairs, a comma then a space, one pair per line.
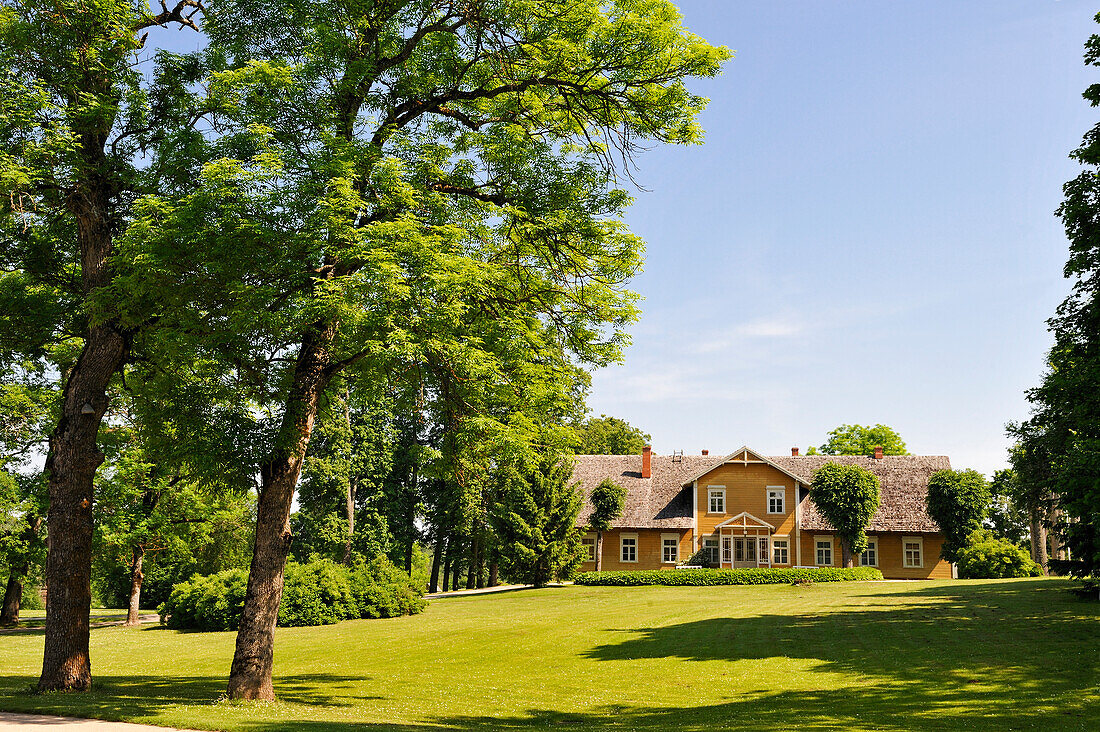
765, 329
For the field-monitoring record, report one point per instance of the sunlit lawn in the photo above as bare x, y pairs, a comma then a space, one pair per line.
1014, 654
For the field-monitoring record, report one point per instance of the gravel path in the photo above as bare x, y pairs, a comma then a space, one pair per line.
10, 720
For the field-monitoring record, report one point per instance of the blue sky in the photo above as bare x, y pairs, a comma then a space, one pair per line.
868, 234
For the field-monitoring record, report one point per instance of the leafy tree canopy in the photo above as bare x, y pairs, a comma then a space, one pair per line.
958, 500
605, 435
607, 504
857, 439
847, 496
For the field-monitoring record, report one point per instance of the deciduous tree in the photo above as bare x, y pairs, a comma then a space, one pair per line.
958, 500
394, 170
847, 496
607, 505
605, 435
857, 439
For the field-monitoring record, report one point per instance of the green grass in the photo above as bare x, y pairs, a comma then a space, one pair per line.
993, 655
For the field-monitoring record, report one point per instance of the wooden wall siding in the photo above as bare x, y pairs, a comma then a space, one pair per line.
649, 549
889, 555
746, 490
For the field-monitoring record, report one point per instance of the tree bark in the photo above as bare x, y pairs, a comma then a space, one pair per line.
253, 658
1038, 540
349, 499
13, 595
847, 558
493, 576
456, 571
471, 571
137, 577
437, 559
73, 455
599, 550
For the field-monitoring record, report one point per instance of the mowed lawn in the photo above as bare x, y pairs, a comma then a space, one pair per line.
992, 655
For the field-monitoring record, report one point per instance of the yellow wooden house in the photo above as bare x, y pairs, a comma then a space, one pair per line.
748, 510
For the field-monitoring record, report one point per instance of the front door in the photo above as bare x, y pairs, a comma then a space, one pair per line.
744, 551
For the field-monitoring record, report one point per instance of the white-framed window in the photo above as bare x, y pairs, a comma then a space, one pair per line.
727, 549
589, 544
912, 551
628, 547
711, 545
716, 500
777, 499
670, 548
824, 550
780, 550
869, 558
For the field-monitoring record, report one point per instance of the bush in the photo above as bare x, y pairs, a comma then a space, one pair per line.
990, 557
319, 592
750, 576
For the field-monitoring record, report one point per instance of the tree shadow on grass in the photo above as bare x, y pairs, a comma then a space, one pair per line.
998, 656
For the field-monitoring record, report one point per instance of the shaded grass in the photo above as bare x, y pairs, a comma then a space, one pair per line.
995, 655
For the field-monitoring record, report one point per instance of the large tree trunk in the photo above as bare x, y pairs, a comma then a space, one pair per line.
410, 519
13, 595
1038, 540
250, 675
493, 576
471, 569
349, 499
71, 465
73, 455
847, 558
349, 508
599, 550
437, 559
137, 577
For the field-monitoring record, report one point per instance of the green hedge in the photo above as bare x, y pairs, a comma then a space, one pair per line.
320, 592
750, 576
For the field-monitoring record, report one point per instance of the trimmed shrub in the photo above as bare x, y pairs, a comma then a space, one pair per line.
319, 592
990, 557
749, 576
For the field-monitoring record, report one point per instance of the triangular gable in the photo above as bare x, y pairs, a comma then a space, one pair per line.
742, 520
747, 456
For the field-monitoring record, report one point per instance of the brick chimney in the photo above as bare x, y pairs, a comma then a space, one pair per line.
794, 452
878, 452
647, 461
706, 452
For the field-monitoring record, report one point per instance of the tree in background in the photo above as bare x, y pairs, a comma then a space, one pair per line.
857, 439
536, 521
605, 435
958, 500
1059, 445
1008, 515
75, 112
607, 505
28, 399
847, 497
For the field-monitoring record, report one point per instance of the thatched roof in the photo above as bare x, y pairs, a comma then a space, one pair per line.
904, 482
657, 502
664, 502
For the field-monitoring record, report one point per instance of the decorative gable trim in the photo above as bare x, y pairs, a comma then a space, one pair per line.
744, 517
746, 456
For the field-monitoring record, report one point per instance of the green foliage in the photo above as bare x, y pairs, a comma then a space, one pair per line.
748, 576
605, 435
1058, 454
607, 504
1008, 516
958, 500
535, 521
857, 439
319, 592
987, 556
847, 496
